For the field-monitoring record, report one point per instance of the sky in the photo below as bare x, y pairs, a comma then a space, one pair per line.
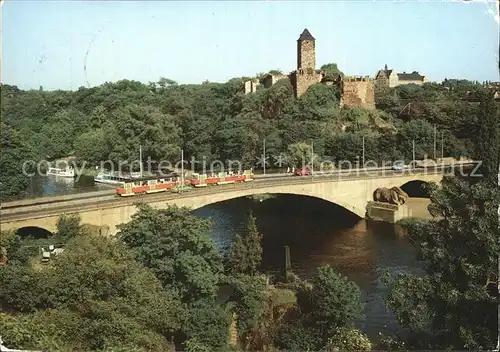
69, 44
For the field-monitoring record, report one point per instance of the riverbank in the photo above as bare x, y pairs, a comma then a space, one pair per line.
418, 207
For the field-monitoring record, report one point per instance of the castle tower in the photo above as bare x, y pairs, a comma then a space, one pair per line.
306, 51
305, 75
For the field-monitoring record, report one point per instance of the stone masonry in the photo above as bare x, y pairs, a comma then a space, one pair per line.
306, 51
306, 74
357, 92
304, 79
270, 80
251, 86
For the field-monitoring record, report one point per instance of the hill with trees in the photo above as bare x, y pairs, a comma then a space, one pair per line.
217, 121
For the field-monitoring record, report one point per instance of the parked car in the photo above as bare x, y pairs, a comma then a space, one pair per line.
398, 166
303, 172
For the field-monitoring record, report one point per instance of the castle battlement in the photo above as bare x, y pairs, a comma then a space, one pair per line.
357, 79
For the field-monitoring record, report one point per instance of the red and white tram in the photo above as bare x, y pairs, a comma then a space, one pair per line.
155, 184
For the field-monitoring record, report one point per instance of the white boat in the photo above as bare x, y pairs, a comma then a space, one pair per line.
69, 172
110, 179
117, 178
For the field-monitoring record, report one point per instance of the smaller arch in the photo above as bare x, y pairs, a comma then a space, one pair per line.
416, 189
33, 231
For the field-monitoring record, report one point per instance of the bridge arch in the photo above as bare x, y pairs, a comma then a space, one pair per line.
416, 188
33, 231
359, 213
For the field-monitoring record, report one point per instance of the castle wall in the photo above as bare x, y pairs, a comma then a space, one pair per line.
248, 87
393, 79
306, 54
305, 79
271, 80
251, 86
358, 93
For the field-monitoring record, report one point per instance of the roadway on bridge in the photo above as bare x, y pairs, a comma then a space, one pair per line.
111, 201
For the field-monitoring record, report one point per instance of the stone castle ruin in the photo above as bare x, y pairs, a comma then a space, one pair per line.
355, 91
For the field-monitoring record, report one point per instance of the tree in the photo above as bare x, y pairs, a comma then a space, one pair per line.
134, 125
300, 154
94, 296
349, 339
333, 301
454, 304
276, 72
250, 296
90, 147
68, 226
277, 99
331, 71
14, 153
488, 138
245, 255
208, 325
320, 102
238, 257
386, 99
254, 246
420, 131
326, 311
177, 247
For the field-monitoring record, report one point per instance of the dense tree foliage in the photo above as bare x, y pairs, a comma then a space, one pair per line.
455, 304
245, 255
177, 247
488, 138
13, 154
217, 121
326, 311
94, 296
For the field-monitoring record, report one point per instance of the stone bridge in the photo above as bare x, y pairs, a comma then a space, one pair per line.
351, 192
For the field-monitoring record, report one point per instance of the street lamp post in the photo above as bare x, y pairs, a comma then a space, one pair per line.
435, 131
140, 160
442, 145
264, 160
182, 168
413, 146
363, 152
312, 157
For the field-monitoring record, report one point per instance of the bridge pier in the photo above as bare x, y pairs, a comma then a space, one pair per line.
386, 212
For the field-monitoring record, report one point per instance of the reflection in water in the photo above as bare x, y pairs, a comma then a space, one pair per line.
320, 233
42, 186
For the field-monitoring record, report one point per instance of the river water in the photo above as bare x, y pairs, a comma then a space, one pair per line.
320, 233
44, 186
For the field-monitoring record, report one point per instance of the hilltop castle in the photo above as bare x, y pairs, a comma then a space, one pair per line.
355, 91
